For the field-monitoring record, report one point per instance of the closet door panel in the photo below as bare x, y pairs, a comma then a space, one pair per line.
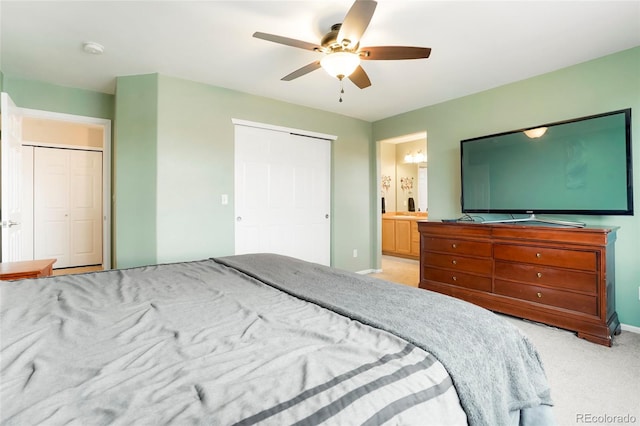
50, 202
282, 194
68, 206
85, 208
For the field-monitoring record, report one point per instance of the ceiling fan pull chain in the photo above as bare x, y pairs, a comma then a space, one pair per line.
341, 89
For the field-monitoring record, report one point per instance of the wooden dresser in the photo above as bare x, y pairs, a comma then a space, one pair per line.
26, 269
555, 275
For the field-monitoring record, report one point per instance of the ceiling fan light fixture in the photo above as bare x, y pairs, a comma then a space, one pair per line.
340, 64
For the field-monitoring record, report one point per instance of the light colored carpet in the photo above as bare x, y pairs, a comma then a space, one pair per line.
590, 383
588, 380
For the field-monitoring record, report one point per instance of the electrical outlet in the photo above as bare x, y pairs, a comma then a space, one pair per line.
355, 252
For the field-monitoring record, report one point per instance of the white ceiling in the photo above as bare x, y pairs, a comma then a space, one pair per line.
476, 45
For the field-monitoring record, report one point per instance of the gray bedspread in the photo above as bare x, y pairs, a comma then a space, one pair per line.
199, 343
495, 368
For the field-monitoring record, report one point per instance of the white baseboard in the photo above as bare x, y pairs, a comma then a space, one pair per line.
631, 328
369, 271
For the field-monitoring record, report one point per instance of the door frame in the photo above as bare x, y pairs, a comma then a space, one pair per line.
301, 132
106, 166
11, 203
378, 187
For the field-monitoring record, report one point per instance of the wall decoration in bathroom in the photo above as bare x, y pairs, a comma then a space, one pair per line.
386, 184
406, 183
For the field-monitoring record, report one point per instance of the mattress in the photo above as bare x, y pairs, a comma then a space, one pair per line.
252, 339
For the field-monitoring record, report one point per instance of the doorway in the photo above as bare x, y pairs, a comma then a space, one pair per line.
44, 129
401, 177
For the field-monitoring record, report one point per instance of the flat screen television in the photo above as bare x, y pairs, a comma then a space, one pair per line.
581, 166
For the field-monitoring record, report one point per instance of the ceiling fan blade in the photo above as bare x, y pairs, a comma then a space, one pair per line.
356, 21
360, 78
394, 52
287, 41
302, 71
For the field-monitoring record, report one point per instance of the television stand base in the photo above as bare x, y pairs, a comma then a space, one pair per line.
534, 218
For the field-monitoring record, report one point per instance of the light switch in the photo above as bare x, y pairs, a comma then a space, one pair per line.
224, 199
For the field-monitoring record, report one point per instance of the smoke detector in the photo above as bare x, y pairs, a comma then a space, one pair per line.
93, 48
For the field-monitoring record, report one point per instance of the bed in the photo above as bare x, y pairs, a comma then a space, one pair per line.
258, 339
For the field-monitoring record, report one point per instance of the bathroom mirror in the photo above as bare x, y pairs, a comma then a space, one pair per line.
403, 169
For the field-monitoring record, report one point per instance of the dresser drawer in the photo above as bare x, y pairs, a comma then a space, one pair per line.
459, 279
574, 259
474, 248
458, 263
555, 277
547, 296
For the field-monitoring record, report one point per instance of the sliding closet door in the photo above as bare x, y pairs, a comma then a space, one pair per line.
68, 206
282, 194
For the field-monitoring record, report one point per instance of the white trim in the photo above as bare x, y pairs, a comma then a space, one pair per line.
61, 146
406, 138
239, 122
369, 271
631, 328
106, 166
27, 202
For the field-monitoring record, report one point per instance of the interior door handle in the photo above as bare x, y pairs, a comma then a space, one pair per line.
9, 224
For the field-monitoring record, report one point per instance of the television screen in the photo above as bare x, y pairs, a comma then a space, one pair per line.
580, 166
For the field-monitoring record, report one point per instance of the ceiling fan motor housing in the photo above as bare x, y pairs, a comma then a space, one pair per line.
330, 41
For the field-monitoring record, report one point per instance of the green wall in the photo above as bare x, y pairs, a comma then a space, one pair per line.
135, 171
173, 156
192, 163
605, 84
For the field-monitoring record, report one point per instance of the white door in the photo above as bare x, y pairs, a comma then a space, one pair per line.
282, 194
11, 197
68, 206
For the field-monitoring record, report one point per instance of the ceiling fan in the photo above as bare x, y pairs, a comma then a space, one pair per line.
341, 47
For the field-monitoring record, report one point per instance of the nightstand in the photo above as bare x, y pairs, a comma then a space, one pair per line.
26, 269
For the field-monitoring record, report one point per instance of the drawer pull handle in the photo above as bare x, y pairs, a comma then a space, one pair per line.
538, 255
454, 262
454, 246
454, 278
539, 294
539, 274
